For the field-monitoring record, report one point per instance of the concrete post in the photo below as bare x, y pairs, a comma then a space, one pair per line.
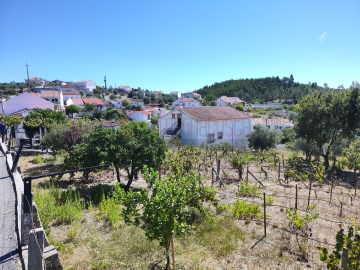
36, 249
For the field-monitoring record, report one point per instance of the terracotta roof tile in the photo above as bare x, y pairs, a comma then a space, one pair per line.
213, 113
231, 99
94, 101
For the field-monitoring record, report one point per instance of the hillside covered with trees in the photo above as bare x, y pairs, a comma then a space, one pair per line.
259, 90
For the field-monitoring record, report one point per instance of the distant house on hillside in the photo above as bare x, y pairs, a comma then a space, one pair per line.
224, 101
146, 114
186, 102
124, 89
206, 125
98, 103
76, 101
86, 85
192, 95
71, 95
272, 123
53, 96
36, 81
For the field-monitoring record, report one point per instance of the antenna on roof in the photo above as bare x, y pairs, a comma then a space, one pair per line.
27, 71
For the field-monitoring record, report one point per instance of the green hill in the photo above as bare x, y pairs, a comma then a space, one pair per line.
258, 90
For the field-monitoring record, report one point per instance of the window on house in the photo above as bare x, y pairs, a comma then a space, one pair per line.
220, 135
210, 138
179, 115
173, 115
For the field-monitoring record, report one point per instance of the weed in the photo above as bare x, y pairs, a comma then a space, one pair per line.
269, 200
110, 209
248, 190
38, 160
71, 234
99, 265
245, 210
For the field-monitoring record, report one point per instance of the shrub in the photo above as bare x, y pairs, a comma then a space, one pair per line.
245, 210
38, 160
110, 209
262, 138
248, 190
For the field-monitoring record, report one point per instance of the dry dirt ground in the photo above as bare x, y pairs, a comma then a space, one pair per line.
278, 250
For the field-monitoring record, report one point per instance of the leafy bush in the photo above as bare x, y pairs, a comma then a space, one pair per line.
38, 160
248, 190
111, 211
245, 210
262, 138
351, 241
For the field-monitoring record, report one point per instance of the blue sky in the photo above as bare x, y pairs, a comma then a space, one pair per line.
180, 45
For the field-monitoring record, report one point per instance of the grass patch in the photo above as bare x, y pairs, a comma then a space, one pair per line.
111, 210
220, 235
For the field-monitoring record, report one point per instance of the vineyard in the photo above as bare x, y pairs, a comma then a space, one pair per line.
270, 212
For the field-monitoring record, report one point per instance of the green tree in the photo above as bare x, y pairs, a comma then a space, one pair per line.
71, 109
126, 104
89, 107
353, 156
167, 208
262, 138
113, 114
323, 117
130, 148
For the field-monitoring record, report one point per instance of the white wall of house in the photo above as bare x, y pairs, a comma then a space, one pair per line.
182, 103
67, 97
198, 133
117, 103
89, 85
139, 116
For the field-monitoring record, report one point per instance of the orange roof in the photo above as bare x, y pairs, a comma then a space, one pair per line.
231, 99
71, 93
50, 94
213, 113
94, 101
77, 101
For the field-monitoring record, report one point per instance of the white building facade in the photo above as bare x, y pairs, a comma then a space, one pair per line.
85, 85
186, 102
206, 125
224, 101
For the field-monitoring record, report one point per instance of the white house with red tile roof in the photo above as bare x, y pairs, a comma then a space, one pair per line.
186, 102
70, 95
76, 101
272, 123
53, 96
24, 103
145, 115
206, 125
224, 101
97, 102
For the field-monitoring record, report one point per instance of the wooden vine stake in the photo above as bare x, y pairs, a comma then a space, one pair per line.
308, 204
296, 197
264, 214
344, 258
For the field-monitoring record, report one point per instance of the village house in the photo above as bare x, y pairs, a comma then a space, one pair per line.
98, 103
70, 95
186, 102
225, 101
76, 101
146, 114
272, 123
53, 96
33, 81
206, 125
124, 89
86, 85
192, 95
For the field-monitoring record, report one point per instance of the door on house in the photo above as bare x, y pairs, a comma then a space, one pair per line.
179, 120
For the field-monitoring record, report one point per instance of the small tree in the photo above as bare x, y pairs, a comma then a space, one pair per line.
262, 138
71, 109
167, 209
89, 107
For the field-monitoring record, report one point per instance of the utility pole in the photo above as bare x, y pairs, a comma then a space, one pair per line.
27, 71
105, 81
